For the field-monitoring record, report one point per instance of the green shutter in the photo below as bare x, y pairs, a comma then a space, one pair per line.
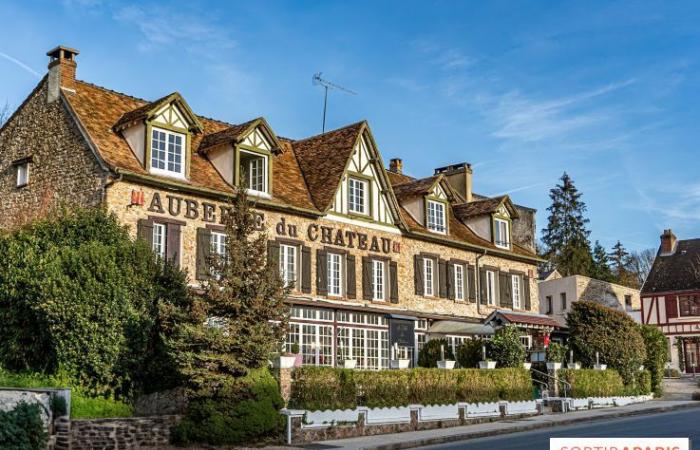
203, 253
321, 272
418, 274
505, 290
482, 286
451, 288
273, 253
172, 245
366, 278
351, 277
394, 280
442, 278
526, 292
306, 270
145, 231
471, 283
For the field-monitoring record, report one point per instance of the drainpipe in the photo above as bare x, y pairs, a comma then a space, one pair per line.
478, 282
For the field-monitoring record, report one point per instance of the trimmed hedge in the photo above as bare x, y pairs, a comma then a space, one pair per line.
319, 388
604, 383
657, 354
22, 428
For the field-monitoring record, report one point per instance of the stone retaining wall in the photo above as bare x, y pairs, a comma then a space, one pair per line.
137, 433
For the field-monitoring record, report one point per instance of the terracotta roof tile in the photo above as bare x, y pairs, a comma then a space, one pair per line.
478, 207
530, 319
232, 133
398, 178
414, 188
141, 112
323, 159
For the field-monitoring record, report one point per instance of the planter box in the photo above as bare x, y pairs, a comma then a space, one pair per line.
574, 366
487, 364
553, 365
600, 366
446, 364
284, 362
527, 366
399, 363
349, 363
298, 360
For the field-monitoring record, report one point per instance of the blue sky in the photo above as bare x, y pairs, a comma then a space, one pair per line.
607, 91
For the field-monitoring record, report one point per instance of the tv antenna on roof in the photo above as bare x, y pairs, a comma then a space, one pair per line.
316, 80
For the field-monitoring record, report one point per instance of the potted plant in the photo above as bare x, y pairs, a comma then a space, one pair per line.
399, 360
527, 365
446, 364
284, 360
487, 364
555, 356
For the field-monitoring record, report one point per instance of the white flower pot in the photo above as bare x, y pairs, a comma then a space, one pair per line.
487, 364
399, 363
574, 366
527, 366
553, 365
284, 362
600, 366
350, 363
446, 364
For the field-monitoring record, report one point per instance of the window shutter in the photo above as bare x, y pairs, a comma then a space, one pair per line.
450, 281
172, 246
366, 278
203, 253
471, 283
394, 280
273, 253
417, 273
306, 270
526, 292
321, 272
442, 278
351, 277
505, 290
482, 286
145, 231
671, 307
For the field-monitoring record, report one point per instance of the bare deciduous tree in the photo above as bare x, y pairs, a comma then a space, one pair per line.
641, 262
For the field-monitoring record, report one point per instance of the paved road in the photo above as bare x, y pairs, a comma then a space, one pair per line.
684, 423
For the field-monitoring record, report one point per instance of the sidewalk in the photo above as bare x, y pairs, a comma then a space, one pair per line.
439, 436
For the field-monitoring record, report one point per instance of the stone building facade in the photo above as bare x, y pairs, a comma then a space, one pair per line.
377, 261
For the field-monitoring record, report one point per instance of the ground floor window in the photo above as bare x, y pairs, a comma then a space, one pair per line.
368, 347
456, 341
315, 342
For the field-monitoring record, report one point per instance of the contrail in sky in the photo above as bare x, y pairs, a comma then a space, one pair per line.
20, 64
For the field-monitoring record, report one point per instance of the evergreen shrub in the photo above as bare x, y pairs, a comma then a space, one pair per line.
506, 348
657, 354
22, 428
429, 355
470, 352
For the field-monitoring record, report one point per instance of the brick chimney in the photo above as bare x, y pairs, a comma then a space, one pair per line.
668, 242
396, 165
460, 178
61, 71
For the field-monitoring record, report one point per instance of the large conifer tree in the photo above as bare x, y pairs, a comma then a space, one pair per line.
601, 264
566, 237
621, 262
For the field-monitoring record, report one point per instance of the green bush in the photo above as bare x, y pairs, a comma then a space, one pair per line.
643, 385
506, 348
593, 383
429, 355
319, 388
22, 428
244, 410
672, 373
657, 354
596, 328
556, 352
470, 352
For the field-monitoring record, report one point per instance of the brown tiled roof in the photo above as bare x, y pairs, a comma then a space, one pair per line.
230, 134
323, 159
141, 112
398, 178
478, 207
677, 272
529, 319
414, 188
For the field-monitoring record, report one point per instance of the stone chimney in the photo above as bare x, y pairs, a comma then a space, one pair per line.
61, 71
460, 178
668, 242
396, 165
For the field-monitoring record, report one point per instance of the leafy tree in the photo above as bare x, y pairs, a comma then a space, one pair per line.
556, 352
566, 236
657, 354
620, 261
506, 348
613, 334
429, 355
601, 264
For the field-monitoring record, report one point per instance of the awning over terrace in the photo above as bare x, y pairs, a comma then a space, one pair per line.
456, 327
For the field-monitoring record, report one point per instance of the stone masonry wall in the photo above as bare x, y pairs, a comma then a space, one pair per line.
118, 200
143, 433
63, 170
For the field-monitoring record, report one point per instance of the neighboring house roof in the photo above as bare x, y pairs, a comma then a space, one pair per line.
679, 271
550, 275
522, 319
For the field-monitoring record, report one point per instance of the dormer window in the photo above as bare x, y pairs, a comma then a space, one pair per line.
358, 196
254, 171
167, 153
501, 233
436, 217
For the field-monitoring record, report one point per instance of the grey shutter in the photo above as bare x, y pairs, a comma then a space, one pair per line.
451, 288
366, 278
172, 246
145, 231
351, 277
526, 292
306, 270
482, 286
471, 283
505, 290
418, 274
273, 253
442, 278
394, 280
203, 253
321, 272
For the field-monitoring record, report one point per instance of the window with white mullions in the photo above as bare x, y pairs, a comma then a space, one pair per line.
288, 264
218, 243
167, 150
517, 291
436, 217
490, 287
459, 282
357, 196
378, 280
502, 233
159, 233
253, 171
428, 267
335, 274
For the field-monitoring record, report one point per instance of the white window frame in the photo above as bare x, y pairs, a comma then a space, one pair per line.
459, 282
490, 287
379, 280
428, 277
438, 211
160, 235
249, 173
361, 187
22, 174
288, 256
517, 291
498, 238
183, 154
218, 243
526, 340
335, 283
